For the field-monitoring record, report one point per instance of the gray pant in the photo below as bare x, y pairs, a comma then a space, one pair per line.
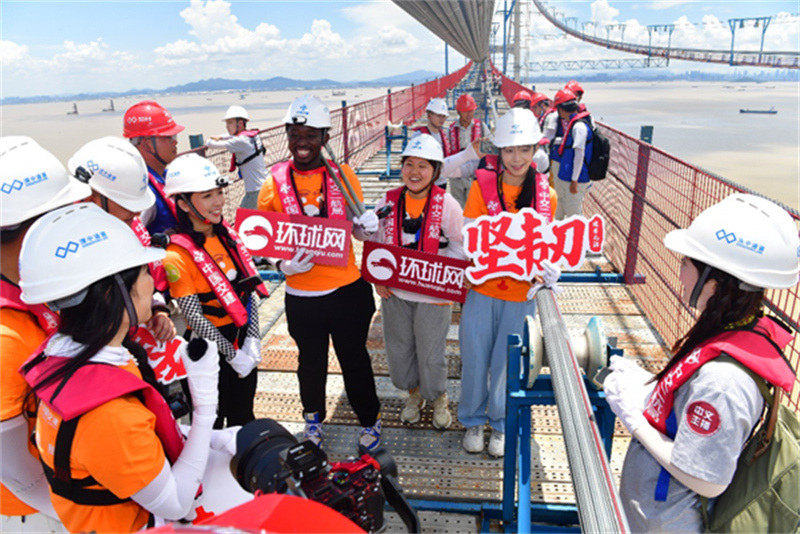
250, 200
459, 187
415, 335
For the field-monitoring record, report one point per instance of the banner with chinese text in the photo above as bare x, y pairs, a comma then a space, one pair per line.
279, 235
415, 271
516, 244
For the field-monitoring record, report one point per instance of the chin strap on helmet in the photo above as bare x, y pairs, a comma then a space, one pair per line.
155, 152
185, 197
133, 318
698, 286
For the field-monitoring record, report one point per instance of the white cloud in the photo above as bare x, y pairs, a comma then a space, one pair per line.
603, 12
12, 53
666, 4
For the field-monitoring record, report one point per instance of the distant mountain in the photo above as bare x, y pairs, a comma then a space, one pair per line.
277, 83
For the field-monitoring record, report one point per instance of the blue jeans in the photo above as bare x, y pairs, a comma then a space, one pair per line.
486, 323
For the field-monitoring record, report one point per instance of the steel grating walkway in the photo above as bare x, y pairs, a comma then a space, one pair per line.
431, 463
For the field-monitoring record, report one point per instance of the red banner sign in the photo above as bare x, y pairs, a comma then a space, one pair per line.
279, 235
164, 356
516, 244
415, 271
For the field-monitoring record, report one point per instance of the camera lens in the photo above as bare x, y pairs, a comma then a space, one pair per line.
257, 463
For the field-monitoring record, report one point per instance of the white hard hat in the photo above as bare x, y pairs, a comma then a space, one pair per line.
438, 106
70, 248
517, 127
424, 146
748, 237
237, 112
33, 181
309, 111
192, 173
116, 170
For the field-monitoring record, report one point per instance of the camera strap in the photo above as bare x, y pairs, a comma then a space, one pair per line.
395, 499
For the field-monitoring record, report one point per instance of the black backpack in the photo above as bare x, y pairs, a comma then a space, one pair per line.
601, 153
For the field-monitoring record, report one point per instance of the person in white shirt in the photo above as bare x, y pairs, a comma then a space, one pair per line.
247, 153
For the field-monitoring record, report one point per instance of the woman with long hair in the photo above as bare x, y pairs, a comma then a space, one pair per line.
496, 308
691, 421
109, 446
212, 277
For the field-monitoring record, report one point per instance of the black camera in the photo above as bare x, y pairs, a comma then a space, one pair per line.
269, 459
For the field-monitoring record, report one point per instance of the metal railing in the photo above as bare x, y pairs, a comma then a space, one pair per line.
647, 193
781, 59
357, 130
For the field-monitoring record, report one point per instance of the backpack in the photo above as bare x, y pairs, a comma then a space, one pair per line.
764, 495
601, 154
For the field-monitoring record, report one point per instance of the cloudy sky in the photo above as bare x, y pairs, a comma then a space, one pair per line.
68, 47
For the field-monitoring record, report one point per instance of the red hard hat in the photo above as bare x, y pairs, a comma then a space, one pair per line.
564, 96
521, 95
465, 102
538, 97
574, 86
149, 119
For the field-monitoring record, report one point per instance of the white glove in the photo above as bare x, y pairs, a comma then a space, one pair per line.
368, 221
626, 394
202, 374
252, 346
550, 276
542, 160
242, 363
224, 440
300, 263
627, 365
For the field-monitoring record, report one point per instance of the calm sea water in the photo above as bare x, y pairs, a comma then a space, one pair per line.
698, 122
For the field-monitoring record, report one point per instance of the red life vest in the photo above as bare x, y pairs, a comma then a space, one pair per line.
219, 283
156, 268
442, 138
578, 116
258, 149
548, 111
159, 187
90, 386
758, 348
334, 200
432, 223
455, 134
487, 181
10, 298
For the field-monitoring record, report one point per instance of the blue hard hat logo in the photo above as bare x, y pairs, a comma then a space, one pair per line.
61, 252
722, 235
8, 188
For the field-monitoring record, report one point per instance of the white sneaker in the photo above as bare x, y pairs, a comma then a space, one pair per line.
412, 407
497, 444
441, 412
473, 439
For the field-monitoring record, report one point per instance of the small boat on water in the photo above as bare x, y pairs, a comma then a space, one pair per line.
770, 111
110, 105
337, 92
74, 109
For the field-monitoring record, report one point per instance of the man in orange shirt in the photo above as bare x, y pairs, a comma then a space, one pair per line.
324, 302
33, 182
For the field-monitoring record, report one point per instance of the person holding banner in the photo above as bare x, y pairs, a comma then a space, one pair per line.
426, 218
212, 277
112, 452
117, 174
498, 306
44, 185
324, 302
